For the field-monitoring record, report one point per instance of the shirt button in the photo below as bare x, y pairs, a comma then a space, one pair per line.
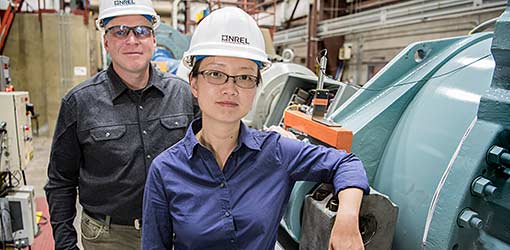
144, 132
140, 107
176, 123
149, 156
107, 134
222, 184
232, 241
227, 214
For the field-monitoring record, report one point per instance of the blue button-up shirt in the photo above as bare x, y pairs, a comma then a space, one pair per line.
190, 203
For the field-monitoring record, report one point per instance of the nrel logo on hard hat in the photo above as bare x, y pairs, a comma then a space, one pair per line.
123, 2
234, 39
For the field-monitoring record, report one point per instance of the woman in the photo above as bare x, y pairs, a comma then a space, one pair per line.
225, 186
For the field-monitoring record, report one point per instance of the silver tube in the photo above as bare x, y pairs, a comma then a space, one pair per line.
322, 70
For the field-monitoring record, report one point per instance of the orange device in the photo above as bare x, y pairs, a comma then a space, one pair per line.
338, 137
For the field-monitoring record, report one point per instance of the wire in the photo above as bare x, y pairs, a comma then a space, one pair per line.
483, 26
43, 221
16, 176
411, 82
2, 141
323, 52
3, 236
293, 106
24, 177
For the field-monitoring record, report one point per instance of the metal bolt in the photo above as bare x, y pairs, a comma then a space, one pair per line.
494, 155
469, 219
507, 171
505, 159
320, 194
482, 187
332, 204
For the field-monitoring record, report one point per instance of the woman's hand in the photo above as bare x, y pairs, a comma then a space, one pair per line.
345, 233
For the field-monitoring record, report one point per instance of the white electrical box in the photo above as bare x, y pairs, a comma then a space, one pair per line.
31, 191
345, 52
5, 77
16, 145
22, 215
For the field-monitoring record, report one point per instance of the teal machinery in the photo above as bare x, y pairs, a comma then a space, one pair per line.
171, 45
433, 131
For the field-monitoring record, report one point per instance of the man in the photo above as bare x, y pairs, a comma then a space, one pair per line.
109, 129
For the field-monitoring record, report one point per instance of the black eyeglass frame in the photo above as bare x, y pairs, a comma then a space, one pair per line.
235, 78
135, 30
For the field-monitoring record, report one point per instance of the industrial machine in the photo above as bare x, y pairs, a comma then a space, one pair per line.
16, 139
171, 44
5, 78
433, 131
273, 81
18, 215
17, 204
305, 100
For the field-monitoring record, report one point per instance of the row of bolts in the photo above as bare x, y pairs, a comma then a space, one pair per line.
481, 186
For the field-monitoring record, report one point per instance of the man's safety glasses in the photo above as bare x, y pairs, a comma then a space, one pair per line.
122, 31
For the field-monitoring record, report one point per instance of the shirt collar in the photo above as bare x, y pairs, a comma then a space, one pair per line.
117, 87
246, 137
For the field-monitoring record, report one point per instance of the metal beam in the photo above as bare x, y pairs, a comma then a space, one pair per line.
405, 13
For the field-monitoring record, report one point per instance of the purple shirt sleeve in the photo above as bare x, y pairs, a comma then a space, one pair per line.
307, 162
156, 223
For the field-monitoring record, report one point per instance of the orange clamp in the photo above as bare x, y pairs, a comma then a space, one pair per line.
338, 137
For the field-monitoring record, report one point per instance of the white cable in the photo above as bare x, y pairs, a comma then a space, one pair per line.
435, 198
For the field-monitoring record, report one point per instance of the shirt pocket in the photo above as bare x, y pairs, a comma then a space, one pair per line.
107, 133
175, 122
109, 146
170, 131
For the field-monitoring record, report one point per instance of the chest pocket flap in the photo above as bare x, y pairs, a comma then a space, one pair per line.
175, 122
108, 133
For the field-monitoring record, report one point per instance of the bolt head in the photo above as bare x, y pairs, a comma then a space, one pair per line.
465, 217
479, 185
493, 155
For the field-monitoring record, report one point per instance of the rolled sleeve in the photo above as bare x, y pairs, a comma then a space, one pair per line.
307, 162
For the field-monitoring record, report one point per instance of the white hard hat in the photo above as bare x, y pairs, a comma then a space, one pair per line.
230, 32
114, 8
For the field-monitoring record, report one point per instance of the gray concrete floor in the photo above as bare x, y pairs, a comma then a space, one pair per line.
35, 172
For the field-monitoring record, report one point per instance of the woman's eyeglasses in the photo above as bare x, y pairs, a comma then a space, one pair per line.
122, 31
220, 78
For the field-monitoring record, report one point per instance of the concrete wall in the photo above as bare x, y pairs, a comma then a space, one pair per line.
47, 58
376, 48
373, 49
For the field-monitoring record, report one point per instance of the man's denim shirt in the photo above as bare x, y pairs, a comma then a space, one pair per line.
105, 139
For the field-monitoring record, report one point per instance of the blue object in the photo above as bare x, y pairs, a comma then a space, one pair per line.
410, 118
198, 58
108, 19
161, 54
171, 45
477, 180
173, 41
241, 206
433, 131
